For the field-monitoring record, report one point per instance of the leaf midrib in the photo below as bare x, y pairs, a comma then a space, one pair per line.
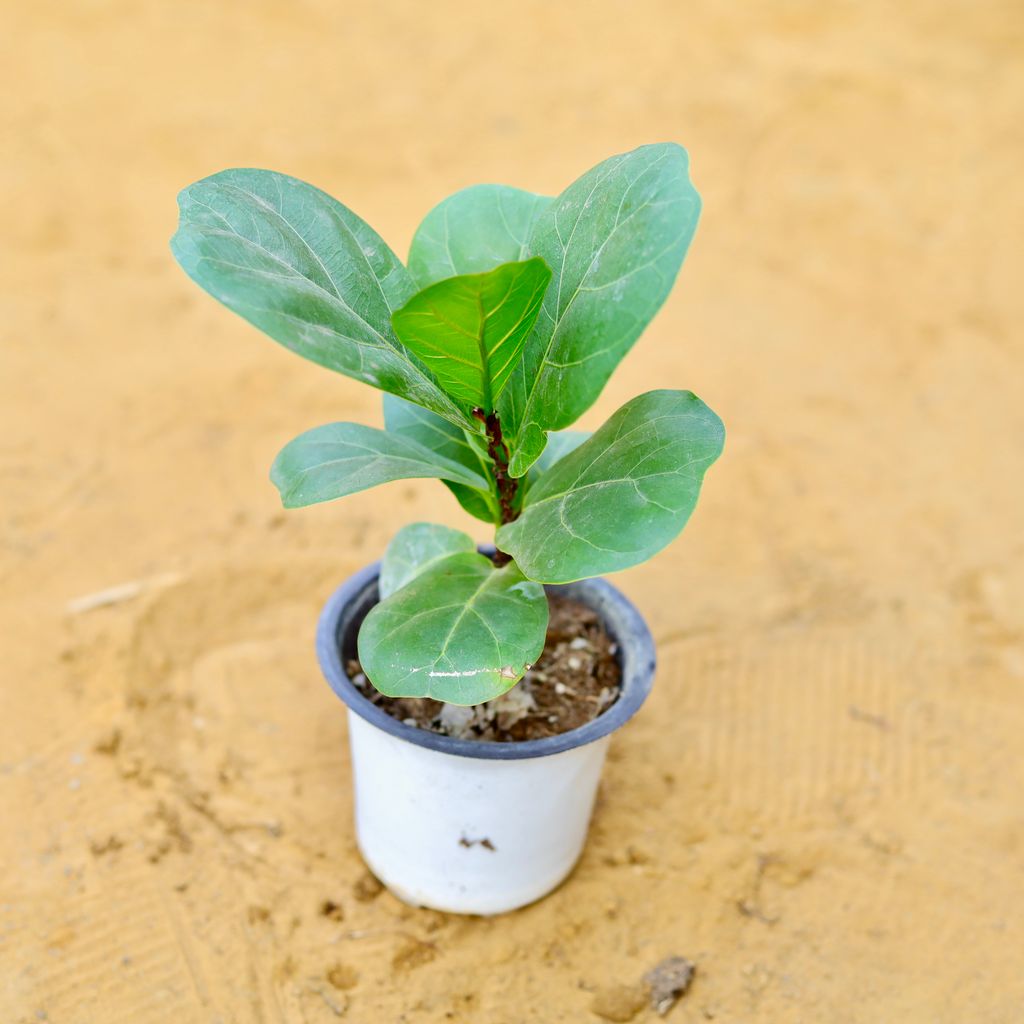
264, 204
464, 475
485, 582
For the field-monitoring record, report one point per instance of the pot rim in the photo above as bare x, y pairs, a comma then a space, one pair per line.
623, 621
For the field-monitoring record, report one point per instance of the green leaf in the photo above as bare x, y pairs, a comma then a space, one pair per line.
307, 271
341, 458
450, 441
621, 496
416, 548
560, 443
470, 330
473, 231
476, 502
462, 632
615, 240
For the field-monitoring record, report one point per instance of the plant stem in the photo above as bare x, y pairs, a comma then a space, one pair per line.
507, 485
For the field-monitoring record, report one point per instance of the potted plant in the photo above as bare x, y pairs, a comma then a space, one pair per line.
483, 685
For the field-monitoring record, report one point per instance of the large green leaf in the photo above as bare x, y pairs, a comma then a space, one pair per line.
444, 438
473, 231
615, 240
462, 632
621, 496
308, 272
470, 330
341, 458
416, 548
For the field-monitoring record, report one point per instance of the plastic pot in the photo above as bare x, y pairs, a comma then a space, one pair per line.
461, 825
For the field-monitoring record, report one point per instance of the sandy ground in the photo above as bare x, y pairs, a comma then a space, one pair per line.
821, 805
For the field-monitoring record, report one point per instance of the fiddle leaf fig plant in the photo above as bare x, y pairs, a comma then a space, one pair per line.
502, 331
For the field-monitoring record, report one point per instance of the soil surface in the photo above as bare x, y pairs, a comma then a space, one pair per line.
819, 806
576, 678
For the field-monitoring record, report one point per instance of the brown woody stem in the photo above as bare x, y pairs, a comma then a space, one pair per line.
507, 485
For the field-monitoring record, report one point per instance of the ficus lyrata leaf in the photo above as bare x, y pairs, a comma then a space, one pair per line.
472, 231
307, 271
470, 330
615, 240
461, 631
416, 548
560, 443
621, 496
341, 458
444, 438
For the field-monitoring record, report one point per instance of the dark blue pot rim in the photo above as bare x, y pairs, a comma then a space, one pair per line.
350, 603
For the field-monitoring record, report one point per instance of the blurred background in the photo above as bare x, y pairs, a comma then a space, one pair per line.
820, 805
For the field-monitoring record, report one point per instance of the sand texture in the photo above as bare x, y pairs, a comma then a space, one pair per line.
821, 806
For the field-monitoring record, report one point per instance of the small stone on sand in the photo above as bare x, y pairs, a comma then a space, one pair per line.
668, 982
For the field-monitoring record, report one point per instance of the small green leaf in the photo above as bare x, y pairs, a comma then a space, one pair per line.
341, 458
621, 496
472, 231
444, 438
462, 632
470, 330
306, 270
476, 502
560, 443
615, 240
416, 548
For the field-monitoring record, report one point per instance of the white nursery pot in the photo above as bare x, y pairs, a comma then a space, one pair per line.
466, 826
